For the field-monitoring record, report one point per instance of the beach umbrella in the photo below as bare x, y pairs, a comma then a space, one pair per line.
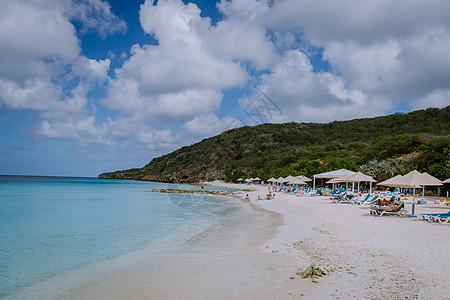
280, 180
272, 180
357, 177
289, 178
257, 179
427, 179
332, 174
303, 178
240, 179
413, 179
296, 181
333, 181
391, 181
446, 181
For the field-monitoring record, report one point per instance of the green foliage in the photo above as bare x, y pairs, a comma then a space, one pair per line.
392, 144
380, 170
440, 165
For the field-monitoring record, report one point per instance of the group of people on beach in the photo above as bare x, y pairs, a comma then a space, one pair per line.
269, 196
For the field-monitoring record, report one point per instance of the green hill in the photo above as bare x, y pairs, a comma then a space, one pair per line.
381, 147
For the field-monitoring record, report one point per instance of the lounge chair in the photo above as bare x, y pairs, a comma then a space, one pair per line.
345, 199
363, 200
335, 198
368, 202
400, 211
441, 218
430, 217
319, 192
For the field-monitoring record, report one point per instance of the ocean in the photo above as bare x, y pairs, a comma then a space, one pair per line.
56, 232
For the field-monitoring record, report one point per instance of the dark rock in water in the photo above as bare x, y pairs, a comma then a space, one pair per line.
221, 193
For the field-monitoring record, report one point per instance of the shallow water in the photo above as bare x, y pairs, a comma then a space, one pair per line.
65, 236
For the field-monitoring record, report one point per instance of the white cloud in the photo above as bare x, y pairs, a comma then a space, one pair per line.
82, 130
181, 77
376, 54
91, 69
437, 98
371, 68
397, 51
96, 15
325, 21
304, 95
207, 125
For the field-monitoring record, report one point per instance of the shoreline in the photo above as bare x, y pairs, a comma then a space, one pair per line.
365, 257
368, 257
219, 262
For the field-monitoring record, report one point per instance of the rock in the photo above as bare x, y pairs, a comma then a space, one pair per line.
313, 270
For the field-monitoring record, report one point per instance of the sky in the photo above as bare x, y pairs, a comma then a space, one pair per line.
92, 86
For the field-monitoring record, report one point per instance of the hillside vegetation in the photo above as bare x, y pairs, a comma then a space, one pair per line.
381, 147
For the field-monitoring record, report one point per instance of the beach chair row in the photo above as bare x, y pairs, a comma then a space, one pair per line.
441, 218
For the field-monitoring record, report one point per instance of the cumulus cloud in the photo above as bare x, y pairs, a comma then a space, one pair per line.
207, 125
386, 52
96, 16
91, 69
317, 61
181, 77
42, 68
304, 95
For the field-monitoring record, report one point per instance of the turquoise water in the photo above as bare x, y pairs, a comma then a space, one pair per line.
53, 225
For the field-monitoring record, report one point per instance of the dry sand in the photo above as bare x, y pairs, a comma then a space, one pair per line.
368, 257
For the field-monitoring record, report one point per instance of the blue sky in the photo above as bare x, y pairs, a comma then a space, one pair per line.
90, 86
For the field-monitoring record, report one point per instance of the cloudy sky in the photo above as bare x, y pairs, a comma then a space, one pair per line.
89, 86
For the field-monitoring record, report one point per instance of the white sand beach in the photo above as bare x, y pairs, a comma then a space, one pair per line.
367, 257
364, 256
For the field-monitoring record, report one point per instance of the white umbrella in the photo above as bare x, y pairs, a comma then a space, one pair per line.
296, 181
289, 178
446, 181
413, 179
303, 178
272, 180
331, 174
391, 181
357, 177
429, 180
281, 180
333, 181
240, 179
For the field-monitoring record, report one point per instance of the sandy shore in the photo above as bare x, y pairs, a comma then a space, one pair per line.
365, 257
368, 257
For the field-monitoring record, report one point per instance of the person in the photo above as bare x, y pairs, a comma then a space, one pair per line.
247, 199
203, 187
381, 202
392, 206
259, 197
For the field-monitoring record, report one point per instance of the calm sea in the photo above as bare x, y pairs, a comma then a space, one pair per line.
54, 225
